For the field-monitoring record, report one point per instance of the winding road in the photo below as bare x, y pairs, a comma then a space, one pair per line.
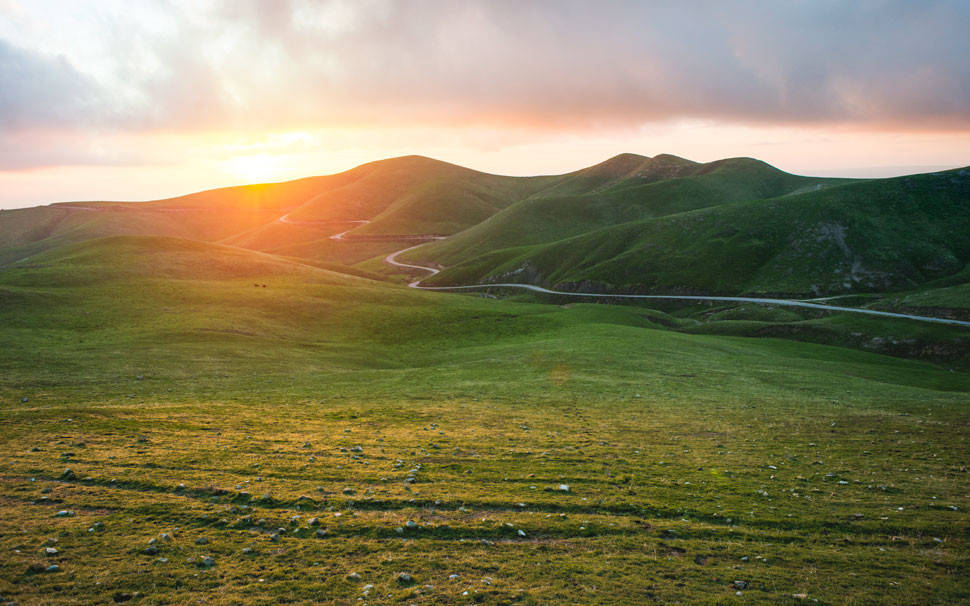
391, 259
341, 235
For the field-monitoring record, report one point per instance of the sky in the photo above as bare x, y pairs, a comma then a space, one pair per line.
137, 100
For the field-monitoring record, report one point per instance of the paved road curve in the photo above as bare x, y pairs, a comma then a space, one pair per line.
391, 259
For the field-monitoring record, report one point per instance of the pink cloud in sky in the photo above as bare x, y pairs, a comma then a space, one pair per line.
152, 85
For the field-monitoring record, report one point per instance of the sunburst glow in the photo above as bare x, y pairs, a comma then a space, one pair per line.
255, 168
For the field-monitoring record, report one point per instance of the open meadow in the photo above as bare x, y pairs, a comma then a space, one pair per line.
176, 432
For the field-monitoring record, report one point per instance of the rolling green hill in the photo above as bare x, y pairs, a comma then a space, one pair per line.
631, 223
208, 216
399, 196
408, 195
870, 236
623, 189
417, 195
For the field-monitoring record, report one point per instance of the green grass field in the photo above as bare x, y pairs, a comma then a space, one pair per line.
318, 436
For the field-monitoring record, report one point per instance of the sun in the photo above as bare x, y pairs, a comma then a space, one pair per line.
255, 168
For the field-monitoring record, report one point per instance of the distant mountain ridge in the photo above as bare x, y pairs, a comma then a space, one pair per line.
630, 223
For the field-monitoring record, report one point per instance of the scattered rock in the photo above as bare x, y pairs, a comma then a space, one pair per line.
68, 475
207, 562
563, 488
313, 522
405, 579
50, 551
321, 533
64, 513
121, 597
150, 550
521, 533
202, 541
53, 568
411, 524
349, 491
353, 576
740, 584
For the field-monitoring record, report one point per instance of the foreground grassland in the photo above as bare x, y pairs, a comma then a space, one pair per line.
214, 441
668, 499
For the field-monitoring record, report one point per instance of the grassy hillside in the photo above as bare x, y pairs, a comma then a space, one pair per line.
869, 236
623, 189
417, 195
157, 293
409, 195
311, 439
208, 216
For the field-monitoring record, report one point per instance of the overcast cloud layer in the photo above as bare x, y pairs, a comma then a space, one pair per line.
187, 65
73, 73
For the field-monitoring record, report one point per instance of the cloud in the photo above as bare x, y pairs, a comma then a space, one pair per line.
44, 90
187, 66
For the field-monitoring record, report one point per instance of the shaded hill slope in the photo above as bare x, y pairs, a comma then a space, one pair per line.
868, 236
623, 189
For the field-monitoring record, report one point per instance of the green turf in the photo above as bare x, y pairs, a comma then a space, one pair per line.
189, 400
